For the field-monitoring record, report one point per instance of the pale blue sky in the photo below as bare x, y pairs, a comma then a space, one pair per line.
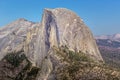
101, 16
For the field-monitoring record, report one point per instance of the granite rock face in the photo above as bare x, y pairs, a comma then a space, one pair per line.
62, 27
13, 36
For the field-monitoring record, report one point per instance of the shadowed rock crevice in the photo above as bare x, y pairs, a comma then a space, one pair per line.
51, 28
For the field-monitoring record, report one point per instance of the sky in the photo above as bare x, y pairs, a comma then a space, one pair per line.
101, 16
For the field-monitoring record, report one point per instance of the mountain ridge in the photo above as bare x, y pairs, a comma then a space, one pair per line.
113, 37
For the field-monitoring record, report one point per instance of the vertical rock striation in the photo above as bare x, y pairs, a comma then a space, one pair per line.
62, 27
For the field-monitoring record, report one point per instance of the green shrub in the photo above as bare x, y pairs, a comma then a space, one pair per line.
78, 56
28, 73
15, 58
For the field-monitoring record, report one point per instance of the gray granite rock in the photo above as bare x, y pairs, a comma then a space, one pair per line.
62, 27
13, 35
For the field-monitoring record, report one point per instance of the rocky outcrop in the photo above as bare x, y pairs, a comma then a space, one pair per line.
13, 36
62, 27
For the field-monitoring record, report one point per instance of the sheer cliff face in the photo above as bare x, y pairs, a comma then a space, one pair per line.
62, 27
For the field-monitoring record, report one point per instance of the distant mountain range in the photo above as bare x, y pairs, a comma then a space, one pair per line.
114, 37
109, 46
